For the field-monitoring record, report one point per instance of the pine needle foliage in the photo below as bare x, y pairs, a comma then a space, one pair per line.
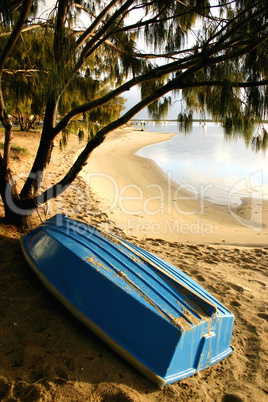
74, 68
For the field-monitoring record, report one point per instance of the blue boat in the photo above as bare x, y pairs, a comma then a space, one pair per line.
155, 316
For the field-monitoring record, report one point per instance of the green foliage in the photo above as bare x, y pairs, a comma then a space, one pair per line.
25, 78
185, 121
159, 108
81, 135
212, 56
27, 93
260, 141
17, 149
5, 12
217, 54
64, 138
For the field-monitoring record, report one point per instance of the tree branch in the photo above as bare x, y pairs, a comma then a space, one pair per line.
26, 5
27, 28
92, 45
156, 73
236, 27
26, 72
193, 63
96, 22
232, 84
25, 10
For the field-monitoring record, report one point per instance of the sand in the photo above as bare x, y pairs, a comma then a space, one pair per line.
46, 355
144, 202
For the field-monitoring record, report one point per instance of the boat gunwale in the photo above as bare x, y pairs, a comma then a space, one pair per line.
173, 320
181, 282
136, 360
77, 313
183, 302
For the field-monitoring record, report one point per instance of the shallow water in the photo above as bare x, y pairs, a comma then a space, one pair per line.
209, 165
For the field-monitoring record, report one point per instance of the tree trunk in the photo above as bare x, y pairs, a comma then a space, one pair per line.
9, 195
7, 189
22, 126
31, 123
42, 159
8, 192
43, 155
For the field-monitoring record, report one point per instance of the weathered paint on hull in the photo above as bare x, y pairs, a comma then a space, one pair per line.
151, 313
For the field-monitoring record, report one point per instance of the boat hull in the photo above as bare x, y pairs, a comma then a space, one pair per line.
148, 311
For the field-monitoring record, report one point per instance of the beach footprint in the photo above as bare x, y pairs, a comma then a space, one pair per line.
117, 397
231, 398
235, 303
200, 278
263, 316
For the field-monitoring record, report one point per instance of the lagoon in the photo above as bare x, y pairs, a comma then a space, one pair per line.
207, 163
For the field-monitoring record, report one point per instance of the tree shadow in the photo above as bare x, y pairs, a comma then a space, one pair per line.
44, 347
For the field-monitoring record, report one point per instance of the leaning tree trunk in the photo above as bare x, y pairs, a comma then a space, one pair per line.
9, 196
5, 173
43, 155
8, 190
17, 210
21, 122
14, 214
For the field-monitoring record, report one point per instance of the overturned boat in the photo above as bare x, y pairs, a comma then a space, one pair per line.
151, 313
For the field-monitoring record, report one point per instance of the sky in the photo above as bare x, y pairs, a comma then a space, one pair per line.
133, 96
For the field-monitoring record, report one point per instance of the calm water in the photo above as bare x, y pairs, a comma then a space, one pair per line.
219, 169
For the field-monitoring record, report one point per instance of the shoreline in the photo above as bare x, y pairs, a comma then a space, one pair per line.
47, 355
146, 203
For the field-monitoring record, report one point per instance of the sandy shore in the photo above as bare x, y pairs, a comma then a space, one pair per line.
140, 199
46, 355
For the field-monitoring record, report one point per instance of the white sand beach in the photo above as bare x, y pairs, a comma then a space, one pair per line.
139, 198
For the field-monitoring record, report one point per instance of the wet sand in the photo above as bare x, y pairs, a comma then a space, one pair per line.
144, 202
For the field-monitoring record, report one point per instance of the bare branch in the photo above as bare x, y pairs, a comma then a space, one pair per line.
92, 45
236, 27
26, 28
96, 23
26, 72
232, 84
190, 65
81, 7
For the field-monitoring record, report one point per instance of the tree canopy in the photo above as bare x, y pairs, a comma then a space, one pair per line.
212, 55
